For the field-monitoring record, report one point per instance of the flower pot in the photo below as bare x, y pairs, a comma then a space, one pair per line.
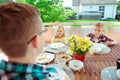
79, 57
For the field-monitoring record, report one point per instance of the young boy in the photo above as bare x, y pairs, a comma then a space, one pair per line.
22, 40
98, 35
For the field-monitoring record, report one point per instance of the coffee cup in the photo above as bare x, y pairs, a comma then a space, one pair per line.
61, 62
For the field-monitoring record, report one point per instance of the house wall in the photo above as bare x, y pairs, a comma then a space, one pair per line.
110, 10
77, 9
90, 8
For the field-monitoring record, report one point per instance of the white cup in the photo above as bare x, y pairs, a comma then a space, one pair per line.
61, 62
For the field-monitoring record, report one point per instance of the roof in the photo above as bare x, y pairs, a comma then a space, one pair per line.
75, 2
94, 2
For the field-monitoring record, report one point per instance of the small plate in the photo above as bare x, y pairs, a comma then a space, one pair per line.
61, 73
56, 45
109, 73
67, 69
45, 58
48, 49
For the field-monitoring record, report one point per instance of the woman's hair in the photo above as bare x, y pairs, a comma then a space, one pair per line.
56, 36
17, 27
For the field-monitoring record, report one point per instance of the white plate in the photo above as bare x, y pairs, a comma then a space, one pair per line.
45, 58
105, 51
109, 73
61, 74
100, 48
56, 45
63, 49
68, 71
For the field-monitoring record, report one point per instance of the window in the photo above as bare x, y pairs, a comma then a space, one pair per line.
90, 6
101, 10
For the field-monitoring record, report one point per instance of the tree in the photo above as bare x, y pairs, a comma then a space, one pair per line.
118, 11
51, 10
5, 1
118, 8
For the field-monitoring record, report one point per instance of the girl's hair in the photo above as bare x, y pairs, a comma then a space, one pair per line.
56, 36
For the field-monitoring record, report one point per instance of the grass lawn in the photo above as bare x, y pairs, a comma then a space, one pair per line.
91, 21
79, 23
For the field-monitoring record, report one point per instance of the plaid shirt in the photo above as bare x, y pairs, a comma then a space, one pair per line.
101, 38
15, 71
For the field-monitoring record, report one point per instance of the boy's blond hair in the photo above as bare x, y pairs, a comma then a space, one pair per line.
100, 25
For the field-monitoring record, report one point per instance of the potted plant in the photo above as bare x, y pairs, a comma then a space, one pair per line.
80, 46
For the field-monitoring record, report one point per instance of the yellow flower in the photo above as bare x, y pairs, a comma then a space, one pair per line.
90, 51
83, 48
80, 45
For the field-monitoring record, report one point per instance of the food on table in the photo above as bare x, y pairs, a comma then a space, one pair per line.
66, 56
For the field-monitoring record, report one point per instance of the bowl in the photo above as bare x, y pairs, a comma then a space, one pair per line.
75, 65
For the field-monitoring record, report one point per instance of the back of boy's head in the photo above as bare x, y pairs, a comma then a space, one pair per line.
100, 25
17, 27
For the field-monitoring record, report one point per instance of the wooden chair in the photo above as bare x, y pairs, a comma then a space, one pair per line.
113, 33
48, 36
77, 31
86, 30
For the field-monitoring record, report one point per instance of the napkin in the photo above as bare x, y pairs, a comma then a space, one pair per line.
98, 47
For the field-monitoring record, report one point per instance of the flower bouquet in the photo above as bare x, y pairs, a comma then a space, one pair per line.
80, 45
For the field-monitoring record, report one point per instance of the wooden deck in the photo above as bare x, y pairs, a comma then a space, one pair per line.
94, 64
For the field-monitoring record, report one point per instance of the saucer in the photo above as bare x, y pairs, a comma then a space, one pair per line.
56, 45
67, 69
48, 49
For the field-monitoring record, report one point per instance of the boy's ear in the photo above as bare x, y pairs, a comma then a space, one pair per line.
35, 42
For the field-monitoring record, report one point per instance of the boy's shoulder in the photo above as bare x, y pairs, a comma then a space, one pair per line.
90, 34
103, 35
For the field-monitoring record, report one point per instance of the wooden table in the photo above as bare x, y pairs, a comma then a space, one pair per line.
96, 62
